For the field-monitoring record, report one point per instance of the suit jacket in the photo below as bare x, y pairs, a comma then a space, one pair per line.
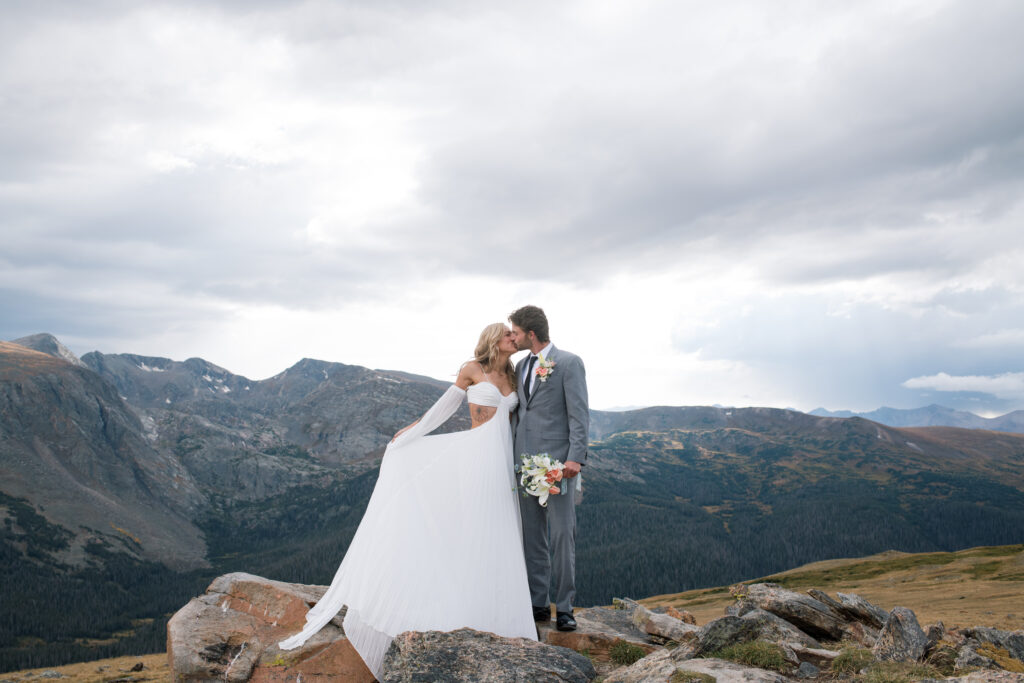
556, 419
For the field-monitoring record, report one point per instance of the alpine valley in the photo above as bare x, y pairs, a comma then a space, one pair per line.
127, 483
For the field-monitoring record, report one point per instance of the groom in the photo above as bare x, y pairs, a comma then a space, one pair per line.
553, 418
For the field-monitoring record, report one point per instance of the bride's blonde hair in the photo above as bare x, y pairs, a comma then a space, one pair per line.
486, 352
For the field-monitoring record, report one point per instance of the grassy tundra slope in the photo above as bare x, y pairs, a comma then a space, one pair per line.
975, 587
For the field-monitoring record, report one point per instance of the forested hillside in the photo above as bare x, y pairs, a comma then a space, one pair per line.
277, 475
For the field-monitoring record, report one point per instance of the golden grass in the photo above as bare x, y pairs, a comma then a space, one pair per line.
976, 587
18, 362
156, 668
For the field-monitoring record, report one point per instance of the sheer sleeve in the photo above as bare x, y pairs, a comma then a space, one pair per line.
435, 417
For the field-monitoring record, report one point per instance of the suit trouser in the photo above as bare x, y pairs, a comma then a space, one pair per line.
549, 543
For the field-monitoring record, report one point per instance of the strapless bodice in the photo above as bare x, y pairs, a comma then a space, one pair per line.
487, 394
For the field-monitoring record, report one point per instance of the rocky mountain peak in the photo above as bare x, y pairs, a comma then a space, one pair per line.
45, 342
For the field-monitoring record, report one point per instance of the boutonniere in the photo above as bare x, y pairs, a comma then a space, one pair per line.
544, 368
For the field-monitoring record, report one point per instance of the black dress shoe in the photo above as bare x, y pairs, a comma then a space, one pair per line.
542, 614
565, 622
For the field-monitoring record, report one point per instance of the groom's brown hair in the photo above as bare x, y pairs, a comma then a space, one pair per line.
531, 318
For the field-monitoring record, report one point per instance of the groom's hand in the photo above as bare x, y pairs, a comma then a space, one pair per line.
571, 469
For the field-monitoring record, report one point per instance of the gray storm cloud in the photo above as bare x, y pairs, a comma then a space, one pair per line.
169, 162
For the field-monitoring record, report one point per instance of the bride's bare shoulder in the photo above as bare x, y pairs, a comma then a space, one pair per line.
471, 372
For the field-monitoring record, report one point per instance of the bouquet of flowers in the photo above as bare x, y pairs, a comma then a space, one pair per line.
540, 475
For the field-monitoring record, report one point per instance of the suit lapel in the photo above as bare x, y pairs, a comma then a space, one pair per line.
538, 384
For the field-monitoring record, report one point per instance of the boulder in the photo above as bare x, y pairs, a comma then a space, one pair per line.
901, 638
970, 659
654, 667
617, 621
777, 630
810, 615
861, 610
662, 627
807, 670
667, 628
232, 630
468, 655
935, 632
598, 629
730, 671
1011, 641
819, 657
723, 632
862, 618
662, 666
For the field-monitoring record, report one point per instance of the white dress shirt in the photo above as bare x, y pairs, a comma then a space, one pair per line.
533, 379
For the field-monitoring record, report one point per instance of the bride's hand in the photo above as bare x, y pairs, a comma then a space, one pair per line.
402, 431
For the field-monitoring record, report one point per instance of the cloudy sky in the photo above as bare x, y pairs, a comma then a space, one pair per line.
787, 203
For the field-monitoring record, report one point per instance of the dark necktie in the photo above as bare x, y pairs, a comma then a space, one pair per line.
529, 377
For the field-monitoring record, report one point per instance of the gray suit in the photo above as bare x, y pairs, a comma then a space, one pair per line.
555, 420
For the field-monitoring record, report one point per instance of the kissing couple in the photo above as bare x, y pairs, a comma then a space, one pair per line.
448, 540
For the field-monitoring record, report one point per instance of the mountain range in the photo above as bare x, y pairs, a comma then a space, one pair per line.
129, 481
934, 416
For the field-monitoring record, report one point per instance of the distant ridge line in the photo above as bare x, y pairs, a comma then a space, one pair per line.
933, 416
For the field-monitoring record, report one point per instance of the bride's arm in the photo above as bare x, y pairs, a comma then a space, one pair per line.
445, 406
404, 429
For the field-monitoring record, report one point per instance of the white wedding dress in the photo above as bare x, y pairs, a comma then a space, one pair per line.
440, 545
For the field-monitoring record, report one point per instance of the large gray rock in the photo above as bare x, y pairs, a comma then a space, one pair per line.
901, 638
598, 630
468, 655
862, 618
862, 610
970, 659
755, 624
1011, 641
819, 657
723, 632
654, 667
661, 666
807, 670
777, 630
730, 671
659, 625
808, 614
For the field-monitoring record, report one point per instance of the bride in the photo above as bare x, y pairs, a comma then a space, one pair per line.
440, 545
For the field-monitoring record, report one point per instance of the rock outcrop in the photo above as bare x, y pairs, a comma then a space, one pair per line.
767, 616
467, 655
901, 639
231, 633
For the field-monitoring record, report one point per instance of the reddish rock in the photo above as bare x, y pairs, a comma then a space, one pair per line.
597, 645
335, 661
231, 633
